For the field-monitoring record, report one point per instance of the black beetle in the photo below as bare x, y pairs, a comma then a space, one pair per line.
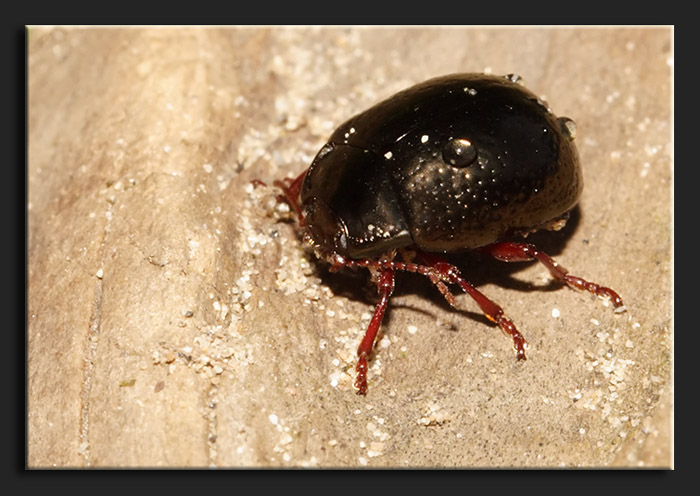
458, 162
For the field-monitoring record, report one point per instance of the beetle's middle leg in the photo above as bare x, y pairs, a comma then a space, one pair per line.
440, 272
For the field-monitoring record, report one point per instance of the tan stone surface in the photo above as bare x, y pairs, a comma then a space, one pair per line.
175, 320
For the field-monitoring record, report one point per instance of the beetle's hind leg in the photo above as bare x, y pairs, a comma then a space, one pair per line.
521, 252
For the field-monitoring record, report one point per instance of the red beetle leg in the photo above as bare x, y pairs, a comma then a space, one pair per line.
521, 252
449, 273
385, 285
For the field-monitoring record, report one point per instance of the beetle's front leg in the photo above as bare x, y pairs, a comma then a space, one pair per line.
384, 277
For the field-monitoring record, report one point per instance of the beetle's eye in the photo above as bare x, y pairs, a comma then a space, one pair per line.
459, 153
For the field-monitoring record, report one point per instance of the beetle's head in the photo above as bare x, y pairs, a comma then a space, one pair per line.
328, 231
349, 204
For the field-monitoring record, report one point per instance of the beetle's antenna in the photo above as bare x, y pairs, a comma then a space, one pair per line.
291, 189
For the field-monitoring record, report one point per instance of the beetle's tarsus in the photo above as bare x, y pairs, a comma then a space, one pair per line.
519, 343
361, 379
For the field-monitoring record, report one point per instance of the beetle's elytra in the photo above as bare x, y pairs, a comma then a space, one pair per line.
459, 162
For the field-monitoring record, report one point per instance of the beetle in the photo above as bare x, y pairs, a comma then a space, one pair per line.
459, 162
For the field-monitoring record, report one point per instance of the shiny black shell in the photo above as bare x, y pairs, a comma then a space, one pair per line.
454, 163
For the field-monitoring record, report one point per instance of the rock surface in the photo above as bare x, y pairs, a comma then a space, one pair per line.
175, 319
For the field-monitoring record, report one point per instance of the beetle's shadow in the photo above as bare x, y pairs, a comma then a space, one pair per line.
476, 267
